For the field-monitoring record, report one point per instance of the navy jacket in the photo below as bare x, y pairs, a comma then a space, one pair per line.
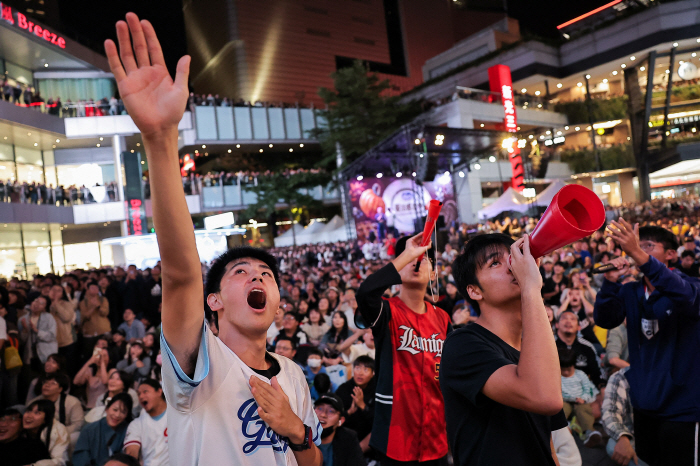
664, 339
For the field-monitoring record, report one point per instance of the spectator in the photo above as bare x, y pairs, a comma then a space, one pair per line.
688, 265
15, 448
94, 374
359, 394
578, 393
132, 327
339, 445
618, 420
586, 356
137, 364
314, 366
291, 329
37, 332
118, 382
63, 311
553, 286
616, 351
275, 327
55, 363
94, 310
286, 346
99, 440
335, 336
316, 328
147, 435
662, 326
68, 410
39, 423
583, 309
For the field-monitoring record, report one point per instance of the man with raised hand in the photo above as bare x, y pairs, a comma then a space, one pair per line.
228, 399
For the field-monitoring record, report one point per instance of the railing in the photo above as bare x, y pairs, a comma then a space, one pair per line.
524, 101
255, 123
214, 197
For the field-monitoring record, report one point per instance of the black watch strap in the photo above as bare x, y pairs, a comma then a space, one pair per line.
307, 441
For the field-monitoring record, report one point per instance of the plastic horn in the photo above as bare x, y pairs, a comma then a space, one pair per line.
433, 212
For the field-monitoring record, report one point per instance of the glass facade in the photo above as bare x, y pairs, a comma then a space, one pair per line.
77, 89
37, 248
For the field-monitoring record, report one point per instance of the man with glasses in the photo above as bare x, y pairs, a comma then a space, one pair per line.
339, 445
663, 329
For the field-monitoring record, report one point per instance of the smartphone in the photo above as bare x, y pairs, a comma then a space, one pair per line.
97, 351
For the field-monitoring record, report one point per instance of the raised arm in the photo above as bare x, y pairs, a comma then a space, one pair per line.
534, 384
156, 103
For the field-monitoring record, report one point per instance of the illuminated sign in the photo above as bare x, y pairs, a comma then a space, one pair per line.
137, 217
21, 21
218, 221
501, 82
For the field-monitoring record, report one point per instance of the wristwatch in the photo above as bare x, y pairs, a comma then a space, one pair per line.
307, 441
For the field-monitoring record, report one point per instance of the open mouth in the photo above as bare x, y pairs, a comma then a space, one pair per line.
257, 299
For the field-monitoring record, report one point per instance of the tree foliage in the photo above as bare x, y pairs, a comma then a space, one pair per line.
359, 114
602, 110
583, 161
275, 189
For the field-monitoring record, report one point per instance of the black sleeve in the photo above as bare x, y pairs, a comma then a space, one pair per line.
349, 448
467, 363
369, 295
593, 367
558, 421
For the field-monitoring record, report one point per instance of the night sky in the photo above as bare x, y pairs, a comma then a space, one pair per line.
92, 22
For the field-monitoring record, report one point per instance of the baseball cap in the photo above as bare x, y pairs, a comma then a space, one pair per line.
332, 400
547, 259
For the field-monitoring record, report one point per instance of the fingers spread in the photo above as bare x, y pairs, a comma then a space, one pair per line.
125, 52
154, 49
115, 63
139, 40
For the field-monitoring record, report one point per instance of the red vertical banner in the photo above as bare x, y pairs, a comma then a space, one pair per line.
500, 82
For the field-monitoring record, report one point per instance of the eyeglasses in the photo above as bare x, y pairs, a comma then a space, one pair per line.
648, 245
327, 410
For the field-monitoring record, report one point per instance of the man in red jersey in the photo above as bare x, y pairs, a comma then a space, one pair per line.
409, 422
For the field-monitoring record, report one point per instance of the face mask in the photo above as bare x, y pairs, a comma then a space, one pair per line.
314, 363
327, 431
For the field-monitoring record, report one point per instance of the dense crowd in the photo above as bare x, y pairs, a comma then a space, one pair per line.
214, 100
80, 378
40, 193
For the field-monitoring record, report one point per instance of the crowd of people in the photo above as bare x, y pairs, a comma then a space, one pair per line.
81, 374
27, 96
214, 100
40, 193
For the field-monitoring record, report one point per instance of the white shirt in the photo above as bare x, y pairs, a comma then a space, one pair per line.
3, 329
214, 416
151, 435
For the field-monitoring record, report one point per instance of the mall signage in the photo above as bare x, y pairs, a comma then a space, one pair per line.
19, 20
133, 194
501, 82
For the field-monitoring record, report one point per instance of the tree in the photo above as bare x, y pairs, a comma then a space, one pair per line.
278, 188
360, 114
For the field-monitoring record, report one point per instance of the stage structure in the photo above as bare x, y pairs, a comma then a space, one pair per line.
389, 187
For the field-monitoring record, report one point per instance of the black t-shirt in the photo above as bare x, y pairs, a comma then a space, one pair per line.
272, 371
483, 432
548, 286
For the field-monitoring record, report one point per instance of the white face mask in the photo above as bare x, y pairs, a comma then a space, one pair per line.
314, 362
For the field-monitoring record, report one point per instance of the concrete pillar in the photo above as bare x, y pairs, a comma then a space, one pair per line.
119, 146
627, 192
468, 195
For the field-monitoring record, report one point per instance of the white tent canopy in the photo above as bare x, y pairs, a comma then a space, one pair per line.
334, 230
544, 198
510, 201
286, 238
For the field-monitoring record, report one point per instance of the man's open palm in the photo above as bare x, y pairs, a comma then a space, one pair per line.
154, 101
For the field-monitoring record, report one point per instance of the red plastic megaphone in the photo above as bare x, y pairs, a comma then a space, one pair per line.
434, 209
574, 213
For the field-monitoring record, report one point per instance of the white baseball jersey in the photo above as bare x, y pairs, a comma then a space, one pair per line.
213, 418
151, 435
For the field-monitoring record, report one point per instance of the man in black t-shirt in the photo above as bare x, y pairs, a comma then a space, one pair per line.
500, 376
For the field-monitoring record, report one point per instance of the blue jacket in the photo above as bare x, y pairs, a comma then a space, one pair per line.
664, 339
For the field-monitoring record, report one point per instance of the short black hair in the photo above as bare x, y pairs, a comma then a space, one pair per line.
658, 235
567, 357
291, 341
218, 267
560, 264
401, 246
474, 256
153, 383
688, 253
61, 379
315, 351
364, 360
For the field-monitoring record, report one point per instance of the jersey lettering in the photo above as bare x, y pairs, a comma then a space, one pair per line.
256, 431
413, 343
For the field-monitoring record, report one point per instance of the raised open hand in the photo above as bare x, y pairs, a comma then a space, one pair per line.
154, 101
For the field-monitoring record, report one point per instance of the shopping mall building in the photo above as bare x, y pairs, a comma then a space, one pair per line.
112, 225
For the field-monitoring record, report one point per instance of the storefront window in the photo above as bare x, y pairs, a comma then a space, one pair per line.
50, 168
30, 173
28, 156
11, 263
7, 171
19, 73
38, 260
82, 255
89, 174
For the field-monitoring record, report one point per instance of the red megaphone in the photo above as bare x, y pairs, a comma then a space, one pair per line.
574, 213
434, 209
